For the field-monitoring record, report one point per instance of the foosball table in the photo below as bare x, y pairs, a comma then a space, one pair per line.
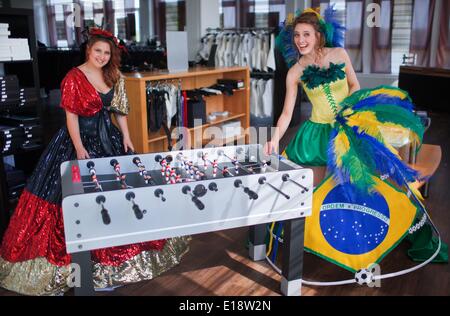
143, 197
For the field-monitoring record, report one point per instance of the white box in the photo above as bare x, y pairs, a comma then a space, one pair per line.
177, 51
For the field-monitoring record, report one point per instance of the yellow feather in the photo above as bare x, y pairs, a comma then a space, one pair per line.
341, 147
416, 192
366, 122
315, 11
391, 92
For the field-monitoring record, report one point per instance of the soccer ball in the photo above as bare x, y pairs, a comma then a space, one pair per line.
364, 276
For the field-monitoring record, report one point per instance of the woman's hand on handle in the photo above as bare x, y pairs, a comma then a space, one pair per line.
82, 153
127, 144
271, 147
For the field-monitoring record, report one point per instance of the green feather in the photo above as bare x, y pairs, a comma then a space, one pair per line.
355, 98
352, 162
399, 116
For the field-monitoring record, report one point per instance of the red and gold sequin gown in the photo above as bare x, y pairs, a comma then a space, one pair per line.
33, 258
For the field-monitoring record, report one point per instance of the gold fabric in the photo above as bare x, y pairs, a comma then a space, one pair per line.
322, 112
39, 277
119, 103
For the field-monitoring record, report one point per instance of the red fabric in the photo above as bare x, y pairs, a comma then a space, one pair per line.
78, 95
36, 230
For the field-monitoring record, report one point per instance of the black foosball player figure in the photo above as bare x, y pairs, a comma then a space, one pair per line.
33, 257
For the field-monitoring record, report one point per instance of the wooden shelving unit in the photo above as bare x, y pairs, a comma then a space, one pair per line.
238, 106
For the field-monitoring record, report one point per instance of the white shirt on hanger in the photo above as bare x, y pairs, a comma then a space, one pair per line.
265, 51
253, 96
260, 87
271, 55
171, 103
267, 98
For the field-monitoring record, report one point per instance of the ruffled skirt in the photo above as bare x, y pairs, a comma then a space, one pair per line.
310, 144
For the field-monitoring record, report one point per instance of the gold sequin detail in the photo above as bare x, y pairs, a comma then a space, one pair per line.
39, 277
119, 103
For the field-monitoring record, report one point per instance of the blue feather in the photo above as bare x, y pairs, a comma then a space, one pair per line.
382, 99
284, 43
340, 175
386, 162
338, 34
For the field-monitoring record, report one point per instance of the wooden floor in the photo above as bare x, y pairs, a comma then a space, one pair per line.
217, 263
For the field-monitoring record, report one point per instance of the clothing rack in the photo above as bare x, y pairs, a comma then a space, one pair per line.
150, 87
156, 83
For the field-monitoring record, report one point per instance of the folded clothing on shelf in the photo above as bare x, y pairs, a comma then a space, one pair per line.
196, 111
234, 84
18, 120
19, 132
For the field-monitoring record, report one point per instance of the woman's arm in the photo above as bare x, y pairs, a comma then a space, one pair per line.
286, 116
74, 132
353, 84
123, 125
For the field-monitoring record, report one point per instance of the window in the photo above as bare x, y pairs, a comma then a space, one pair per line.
352, 14
401, 32
126, 19
252, 13
228, 14
119, 17
169, 15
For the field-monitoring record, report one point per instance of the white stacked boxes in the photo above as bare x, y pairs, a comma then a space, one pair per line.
12, 48
19, 49
5, 51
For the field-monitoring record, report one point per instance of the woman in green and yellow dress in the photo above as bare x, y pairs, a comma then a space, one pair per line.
327, 77
350, 130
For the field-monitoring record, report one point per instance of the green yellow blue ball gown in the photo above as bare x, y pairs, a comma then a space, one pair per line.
353, 136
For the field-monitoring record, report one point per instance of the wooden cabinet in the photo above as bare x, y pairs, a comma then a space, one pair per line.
238, 106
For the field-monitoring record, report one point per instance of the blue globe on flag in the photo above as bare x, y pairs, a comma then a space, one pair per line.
355, 226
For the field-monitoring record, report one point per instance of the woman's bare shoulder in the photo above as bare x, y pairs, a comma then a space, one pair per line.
337, 54
295, 72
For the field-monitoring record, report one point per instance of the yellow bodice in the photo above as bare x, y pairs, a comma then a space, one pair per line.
326, 97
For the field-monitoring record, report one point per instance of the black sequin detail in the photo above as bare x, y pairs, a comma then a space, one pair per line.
99, 136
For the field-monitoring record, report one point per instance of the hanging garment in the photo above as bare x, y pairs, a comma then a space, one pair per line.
267, 99
253, 96
265, 51
171, 103
260, 88
271, 56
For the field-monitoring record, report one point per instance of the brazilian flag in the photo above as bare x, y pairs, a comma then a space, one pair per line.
358, 230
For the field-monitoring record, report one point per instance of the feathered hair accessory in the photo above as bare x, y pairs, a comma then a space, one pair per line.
98, 32
330, 27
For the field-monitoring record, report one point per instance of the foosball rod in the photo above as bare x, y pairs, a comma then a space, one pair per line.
286, 177
263, 180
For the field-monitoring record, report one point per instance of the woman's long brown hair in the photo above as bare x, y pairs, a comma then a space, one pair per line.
111, 73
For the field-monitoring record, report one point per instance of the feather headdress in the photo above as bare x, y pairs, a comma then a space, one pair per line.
332, 30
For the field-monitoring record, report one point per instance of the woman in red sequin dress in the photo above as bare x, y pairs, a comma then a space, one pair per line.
33, 258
